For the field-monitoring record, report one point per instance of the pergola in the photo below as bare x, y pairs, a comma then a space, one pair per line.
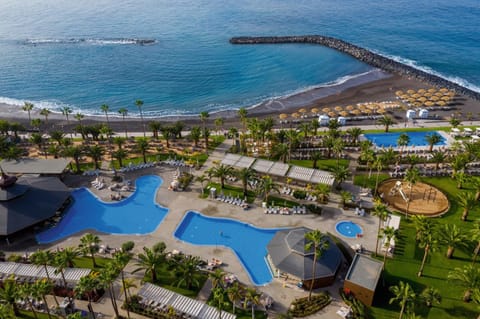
310, 175
72, 275
238, 160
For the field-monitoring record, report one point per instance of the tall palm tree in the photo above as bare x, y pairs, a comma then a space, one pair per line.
432, 140
36, 123
475, 182
142, 146
79, 117
28, 292
42, 258
107, 277
66, 111
105, 108
430, 296
37, 139
149, 261
124, 112
245, 174
323, 192
252, 297
402, 141
167, 134
217, 278
218, 300
340, 173
203, 117
95, 152
188, 271
467, 201
315, 125
305, 128
139, 104
57, 136
381, 211
44, 287
337, 148
9, 293
426, 237
45, 112
219, 121
367, 155
412, 176
438, 157
378, 164
221, 172
28, 107
475, 236
267, 185
281, 151
195, 134
206, 135
468, 277
242, 114
75, 152
452, 237
315, 156
404, 295
120, 155
6, 312
388, 233
202, 179
87, 286
234, 293
319, 243
386, 121
90, 245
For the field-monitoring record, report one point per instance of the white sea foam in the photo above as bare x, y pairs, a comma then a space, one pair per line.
429, 70
90, 41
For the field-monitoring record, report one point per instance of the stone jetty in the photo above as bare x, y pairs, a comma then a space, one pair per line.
364, 55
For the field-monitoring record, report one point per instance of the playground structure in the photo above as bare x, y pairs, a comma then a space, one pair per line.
421, 198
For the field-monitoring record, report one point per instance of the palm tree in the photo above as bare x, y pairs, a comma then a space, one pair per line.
95, 152
203, 117
60, 264
155, 127
139, 104
386, 121
105, 108
68, 256
315, 125
430, 296
44, 287
124, 112
367, 155
206, 135
66, 111
402, 141
468, 277
187, 271
432, 139
42, 258
45, 112
87, 286
222, 171
404, 295
412, 176
340, 173
37, 139
195, 134
149, 261
57, 136
75, 152
28, 107
388, 234
9, 293
36, 123
281, 151
315, 156
354, 133
475, 236
438, 157
217, 277
426, 237
345, 197
460, 178
322, 191
142, 146
245, 174
252, 297
242, 113
202, 179
90, 245
337, 148
120, 155
379, 164
454, 122
267, 186
219, 121
218, 300
6, 312
234, 293
452, 237
319, 243
79, 117
467, 201
28, 292
381, 211
305, 128
167, 134
107, 277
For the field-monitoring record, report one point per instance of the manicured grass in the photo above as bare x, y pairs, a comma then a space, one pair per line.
240, 312
86, 262
323, 164
281, 202
406, 263
363, 180
229, 190
29, 315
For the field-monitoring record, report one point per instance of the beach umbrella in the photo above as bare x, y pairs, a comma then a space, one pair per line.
452, 93
283, 116
373, 106
302, 110
411, 91
441, 103
439, 94
338, 108
355, 112
432, 90
343, 113
405, 97
349, 107
445, 98
421, 91
399, 93
422, 99
416, 95
417, 104
429, 103
326, 110
411, 100
443, 90
434, 98
427, 94
367, 111
332, 114
295, 115
315, 111
381, 111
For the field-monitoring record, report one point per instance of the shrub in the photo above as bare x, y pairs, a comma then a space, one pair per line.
299, 194
303, 307
128, 246
314, 209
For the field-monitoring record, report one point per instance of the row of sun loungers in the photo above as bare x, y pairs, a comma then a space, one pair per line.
286, 211
232, 200
311, 197
98, 183
91, 172
131, 168
171, 162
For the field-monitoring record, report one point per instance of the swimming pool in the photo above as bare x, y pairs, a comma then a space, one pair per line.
348, 229
390, 139
248, 242
137, 214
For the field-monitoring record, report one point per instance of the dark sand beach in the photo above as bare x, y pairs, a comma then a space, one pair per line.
375, 86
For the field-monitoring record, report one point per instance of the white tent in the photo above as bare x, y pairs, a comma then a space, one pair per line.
323, 120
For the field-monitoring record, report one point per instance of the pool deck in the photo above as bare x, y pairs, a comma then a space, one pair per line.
180, 202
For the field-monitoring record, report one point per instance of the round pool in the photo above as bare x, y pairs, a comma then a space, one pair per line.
348, 229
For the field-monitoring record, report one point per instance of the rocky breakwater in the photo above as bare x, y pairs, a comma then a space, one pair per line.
364, 55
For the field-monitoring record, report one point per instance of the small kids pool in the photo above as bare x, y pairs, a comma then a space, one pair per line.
137, 214
348, 229
248, 242
390, 139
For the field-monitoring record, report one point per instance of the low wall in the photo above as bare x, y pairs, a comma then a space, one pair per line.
364, 55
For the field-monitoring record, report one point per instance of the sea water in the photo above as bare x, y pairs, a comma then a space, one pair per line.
84, 53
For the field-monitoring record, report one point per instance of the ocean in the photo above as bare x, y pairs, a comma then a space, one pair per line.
84, 54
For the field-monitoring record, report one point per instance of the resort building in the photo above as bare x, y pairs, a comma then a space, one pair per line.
363, 277
288, 258
36, 166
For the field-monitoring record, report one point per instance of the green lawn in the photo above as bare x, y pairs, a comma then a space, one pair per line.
323, 164
86, 262
29, 315
407, 260
363, 180
229, 190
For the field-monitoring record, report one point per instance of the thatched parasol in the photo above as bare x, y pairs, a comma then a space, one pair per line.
349, 107
446, 98
381, 111
355, 112
422, 99
434, 98
441, 103
326, 110
411, 91
338, 108
315, 111
295, 115
332, 114
421, 91
432, 90
399, 93
429, 103
416, 95
283, 116
302, 110
443, 90
343, 113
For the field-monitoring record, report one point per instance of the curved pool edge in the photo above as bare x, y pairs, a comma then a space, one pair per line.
348, 221
221, 245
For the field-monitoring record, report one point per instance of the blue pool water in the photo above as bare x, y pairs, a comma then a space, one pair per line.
249, 243
137, 214
390, 139
348, 229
